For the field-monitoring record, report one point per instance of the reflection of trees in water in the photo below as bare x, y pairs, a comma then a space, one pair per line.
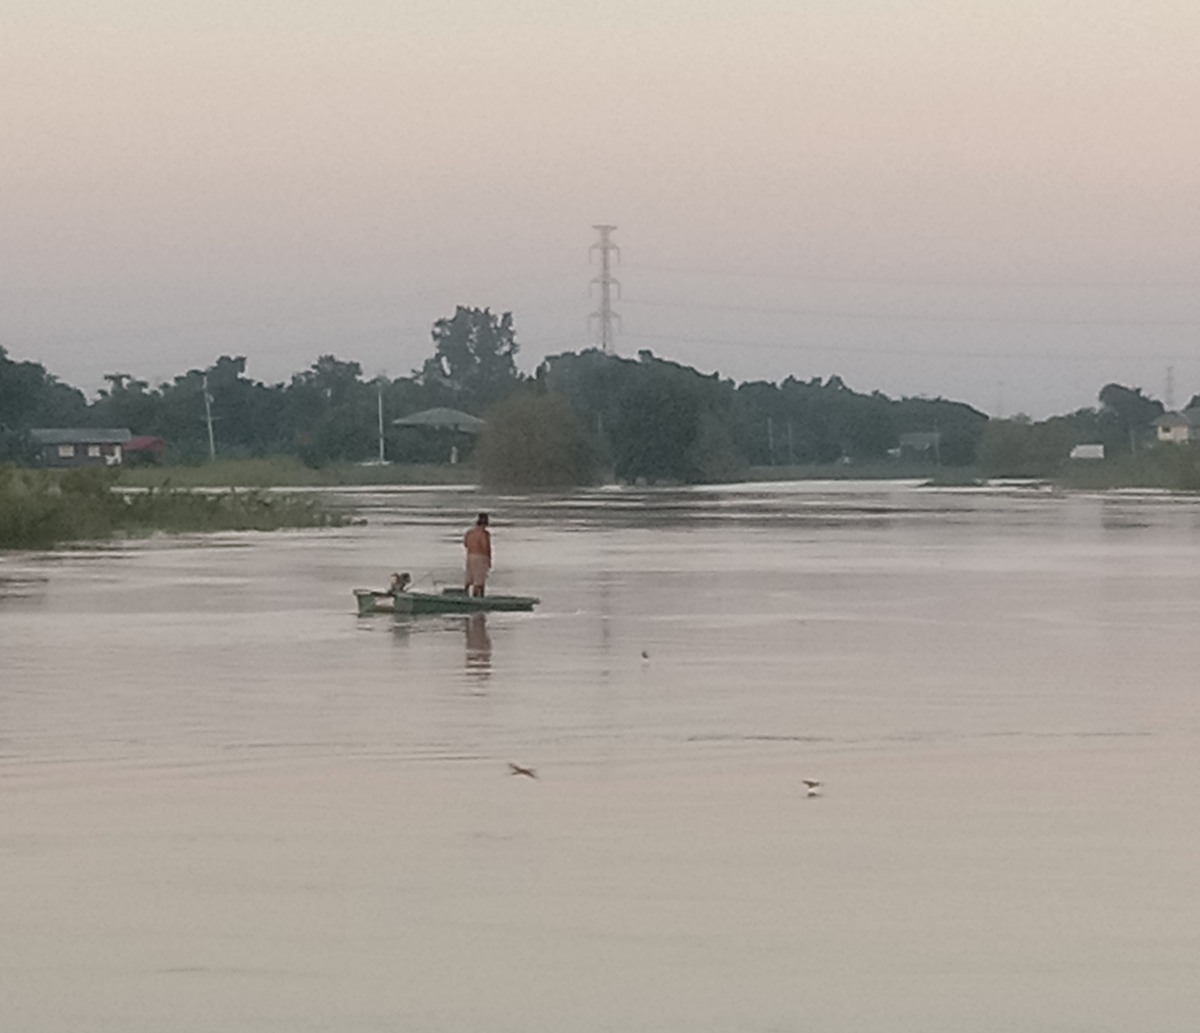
479, 645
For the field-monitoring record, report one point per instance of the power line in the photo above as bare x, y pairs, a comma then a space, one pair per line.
911, 281
907, 317
1041, 355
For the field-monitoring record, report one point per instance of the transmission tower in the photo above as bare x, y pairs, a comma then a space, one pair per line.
604, 315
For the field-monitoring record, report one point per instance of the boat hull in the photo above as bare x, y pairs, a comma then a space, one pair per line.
370, 602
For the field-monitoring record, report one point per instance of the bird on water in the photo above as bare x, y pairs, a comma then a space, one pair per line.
516, 769
813, 787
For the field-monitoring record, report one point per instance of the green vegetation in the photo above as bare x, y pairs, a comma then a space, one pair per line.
649, 419
534, 441
1021, 448
662, 421
1167, 467
40, 509
642, 420
290, 472
474, 359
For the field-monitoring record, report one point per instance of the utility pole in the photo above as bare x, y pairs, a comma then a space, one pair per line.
605, 315
208, 418
379, 399
1170, 389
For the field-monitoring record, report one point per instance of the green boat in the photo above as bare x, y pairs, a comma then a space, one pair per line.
449, 600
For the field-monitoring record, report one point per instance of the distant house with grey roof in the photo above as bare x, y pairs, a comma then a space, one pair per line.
1178, 427
80, 446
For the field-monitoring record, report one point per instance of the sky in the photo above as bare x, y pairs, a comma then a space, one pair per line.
992, 202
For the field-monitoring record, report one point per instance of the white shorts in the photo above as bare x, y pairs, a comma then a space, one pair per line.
478, 566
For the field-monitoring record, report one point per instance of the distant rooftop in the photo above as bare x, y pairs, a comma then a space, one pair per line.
442, 418
80, 435
1189, 418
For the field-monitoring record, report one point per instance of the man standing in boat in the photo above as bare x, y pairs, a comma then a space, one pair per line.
478, 541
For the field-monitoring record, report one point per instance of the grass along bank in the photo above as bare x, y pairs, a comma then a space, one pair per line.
40, 509
286, 472
1167, 467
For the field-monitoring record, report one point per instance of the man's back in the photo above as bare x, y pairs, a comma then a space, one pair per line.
478, 541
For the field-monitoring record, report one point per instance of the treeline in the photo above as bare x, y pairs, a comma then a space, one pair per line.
578, 415
660, 420
326, 413
1123, 423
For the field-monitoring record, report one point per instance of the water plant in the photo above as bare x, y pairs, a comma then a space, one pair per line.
40, 509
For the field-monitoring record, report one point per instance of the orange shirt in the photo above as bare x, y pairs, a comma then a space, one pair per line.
478, 542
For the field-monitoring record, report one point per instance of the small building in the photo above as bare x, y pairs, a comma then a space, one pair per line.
448, 433
1178, 427
1088, 451
145, 448
80, 446
442, 418
923, 444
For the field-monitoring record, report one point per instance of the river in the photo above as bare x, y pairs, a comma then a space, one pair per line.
231, 804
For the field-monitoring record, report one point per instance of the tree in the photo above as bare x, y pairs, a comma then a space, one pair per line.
31, 397
474, 353
331, 412
1021, 448
534, 440
657, 426
1126, 416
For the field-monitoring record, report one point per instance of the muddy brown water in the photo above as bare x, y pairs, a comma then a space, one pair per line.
230, 804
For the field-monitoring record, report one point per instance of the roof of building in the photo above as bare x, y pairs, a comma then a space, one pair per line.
145, 443
442, 418
920, 439
1187, 418
80, 435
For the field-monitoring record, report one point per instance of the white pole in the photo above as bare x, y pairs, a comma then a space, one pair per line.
212, 444
379, 385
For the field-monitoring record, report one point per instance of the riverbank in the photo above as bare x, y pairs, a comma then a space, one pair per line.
1166, 467
287, 472
882, 471
40, 509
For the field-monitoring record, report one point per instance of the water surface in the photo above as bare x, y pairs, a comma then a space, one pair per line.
229, 803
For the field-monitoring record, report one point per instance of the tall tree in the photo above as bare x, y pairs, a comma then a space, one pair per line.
31, 397
1126, 416
474, 357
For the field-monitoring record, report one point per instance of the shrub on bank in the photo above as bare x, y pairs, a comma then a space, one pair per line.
534, 441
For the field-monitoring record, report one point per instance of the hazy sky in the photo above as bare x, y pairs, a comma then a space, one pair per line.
992, 201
